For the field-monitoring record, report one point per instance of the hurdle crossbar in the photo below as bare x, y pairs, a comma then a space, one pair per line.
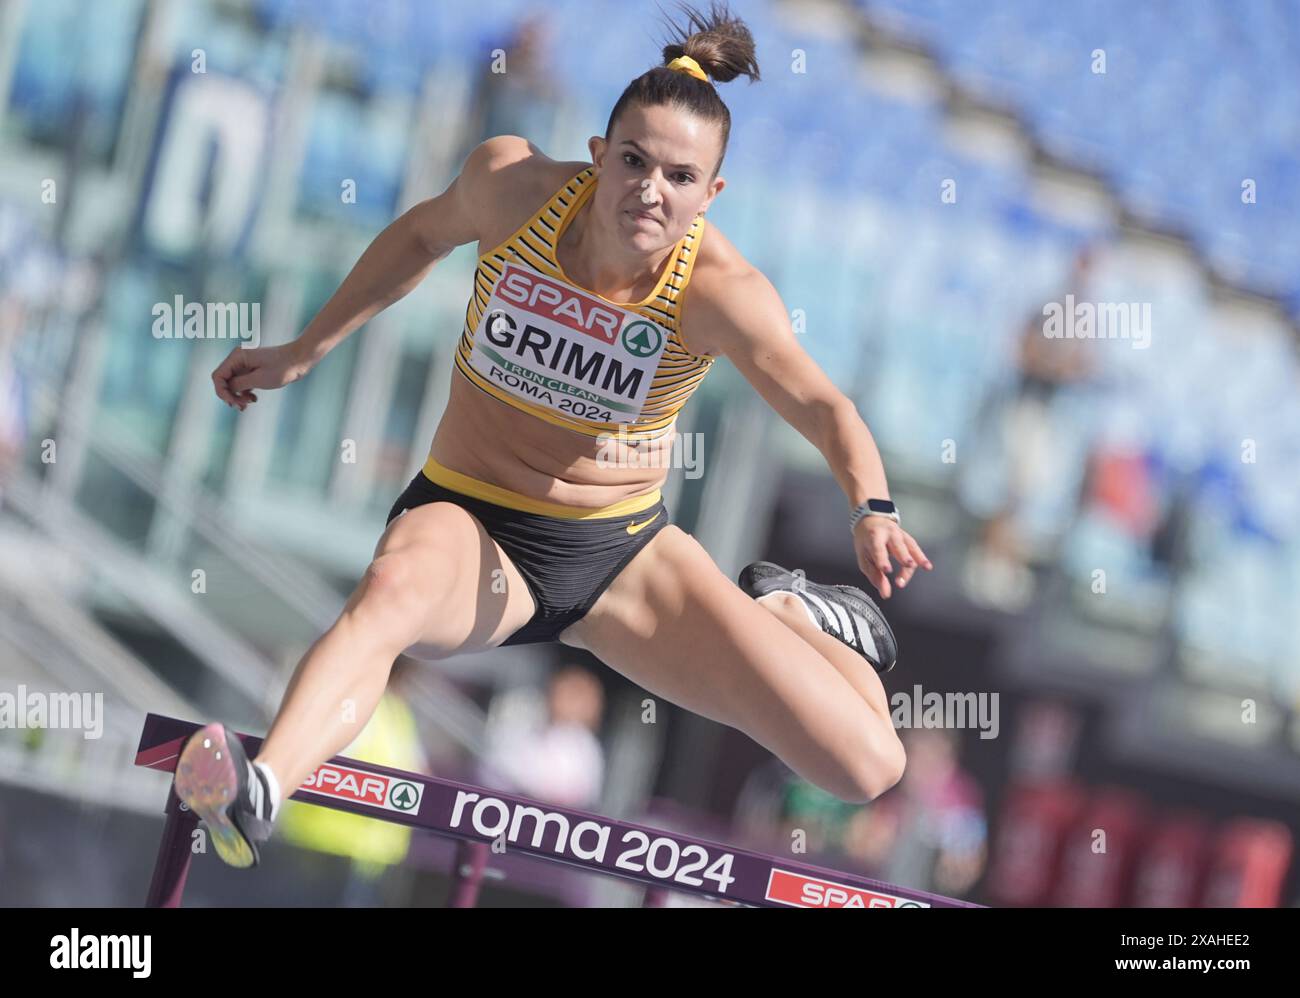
476, 816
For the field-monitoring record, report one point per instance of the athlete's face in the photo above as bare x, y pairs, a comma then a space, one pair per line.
656, 166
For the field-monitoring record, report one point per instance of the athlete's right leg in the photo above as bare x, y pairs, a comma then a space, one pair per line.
433, 590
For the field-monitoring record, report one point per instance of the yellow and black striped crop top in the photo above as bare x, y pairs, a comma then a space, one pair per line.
536, 341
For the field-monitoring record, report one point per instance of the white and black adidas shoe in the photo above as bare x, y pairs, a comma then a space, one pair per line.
215, 778
841, 611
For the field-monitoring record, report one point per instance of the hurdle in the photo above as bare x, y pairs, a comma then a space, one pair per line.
475, 817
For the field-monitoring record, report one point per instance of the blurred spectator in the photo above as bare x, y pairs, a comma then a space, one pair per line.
515, 94
16, 238
390, 738
776, 805
13, 420
930, 831
1022, 432
551, 754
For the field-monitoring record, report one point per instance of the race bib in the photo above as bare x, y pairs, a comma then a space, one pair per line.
552, 345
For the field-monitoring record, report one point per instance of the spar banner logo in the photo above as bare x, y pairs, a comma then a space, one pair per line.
799, 890
344, 783
551, 344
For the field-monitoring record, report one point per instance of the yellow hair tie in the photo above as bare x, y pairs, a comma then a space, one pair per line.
685, 64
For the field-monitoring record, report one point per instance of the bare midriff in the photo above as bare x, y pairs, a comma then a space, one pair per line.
493, 442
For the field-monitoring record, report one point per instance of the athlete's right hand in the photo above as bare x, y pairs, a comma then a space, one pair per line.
259, 367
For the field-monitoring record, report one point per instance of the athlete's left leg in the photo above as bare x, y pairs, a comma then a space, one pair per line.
674, 624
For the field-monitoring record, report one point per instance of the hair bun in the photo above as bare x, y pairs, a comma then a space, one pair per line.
719, 42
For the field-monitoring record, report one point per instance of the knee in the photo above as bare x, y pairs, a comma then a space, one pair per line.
396, 590
388, 576
873, 770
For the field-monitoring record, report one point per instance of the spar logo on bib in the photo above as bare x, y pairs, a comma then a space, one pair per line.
360, 787
643, 338
551, 344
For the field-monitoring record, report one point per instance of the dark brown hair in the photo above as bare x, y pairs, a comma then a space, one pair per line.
724, 48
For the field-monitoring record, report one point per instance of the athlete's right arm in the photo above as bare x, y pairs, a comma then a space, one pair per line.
399, 259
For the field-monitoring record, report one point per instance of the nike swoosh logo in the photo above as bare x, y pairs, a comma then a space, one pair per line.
632, 528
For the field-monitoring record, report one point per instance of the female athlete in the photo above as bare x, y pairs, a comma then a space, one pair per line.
601, 299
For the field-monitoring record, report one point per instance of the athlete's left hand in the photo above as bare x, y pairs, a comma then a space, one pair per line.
876, 538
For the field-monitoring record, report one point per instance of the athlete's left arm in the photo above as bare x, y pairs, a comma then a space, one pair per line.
749, 323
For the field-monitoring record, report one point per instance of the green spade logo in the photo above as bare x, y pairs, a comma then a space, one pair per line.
403, 796
642, 338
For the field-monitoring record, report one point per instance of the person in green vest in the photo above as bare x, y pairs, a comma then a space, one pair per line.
390, 738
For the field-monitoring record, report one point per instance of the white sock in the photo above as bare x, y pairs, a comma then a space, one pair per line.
273, 785
802, 602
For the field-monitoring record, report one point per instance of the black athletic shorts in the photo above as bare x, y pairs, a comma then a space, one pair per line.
568, 556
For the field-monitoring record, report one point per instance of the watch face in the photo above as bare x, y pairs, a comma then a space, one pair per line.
880, 505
